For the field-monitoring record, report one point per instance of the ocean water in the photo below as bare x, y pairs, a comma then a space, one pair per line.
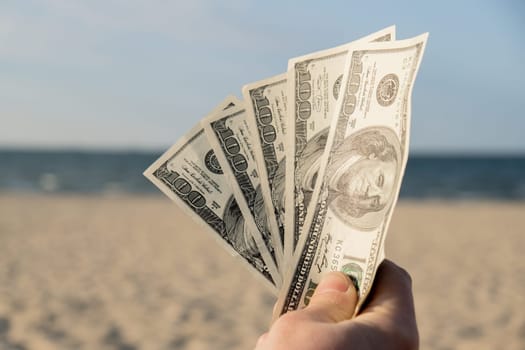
426, 177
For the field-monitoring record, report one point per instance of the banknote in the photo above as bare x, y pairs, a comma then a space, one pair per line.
266, 106
189, 174
313, 89
360, 171
231, 138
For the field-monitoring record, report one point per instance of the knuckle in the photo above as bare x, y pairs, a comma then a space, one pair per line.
287, 323
336, 306
405, 275
342, 300
402, 273
336, 298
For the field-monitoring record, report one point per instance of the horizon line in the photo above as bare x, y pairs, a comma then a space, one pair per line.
160, 150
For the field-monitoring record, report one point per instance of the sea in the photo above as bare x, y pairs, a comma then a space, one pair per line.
103, 172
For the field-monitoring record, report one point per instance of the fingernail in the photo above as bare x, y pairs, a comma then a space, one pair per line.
355, 283
333, 282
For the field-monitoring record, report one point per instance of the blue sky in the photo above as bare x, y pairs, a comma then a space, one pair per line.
130, 74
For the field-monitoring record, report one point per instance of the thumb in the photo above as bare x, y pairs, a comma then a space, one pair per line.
334, 299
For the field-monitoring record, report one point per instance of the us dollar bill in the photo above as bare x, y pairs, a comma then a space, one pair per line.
190, 175
313, 89
266, 106
231, 138
360, 172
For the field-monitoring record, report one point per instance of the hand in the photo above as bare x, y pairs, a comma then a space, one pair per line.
386, 321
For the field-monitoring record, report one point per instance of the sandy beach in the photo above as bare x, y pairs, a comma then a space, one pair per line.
130, 272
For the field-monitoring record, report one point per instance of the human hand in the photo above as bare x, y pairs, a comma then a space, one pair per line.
387, 320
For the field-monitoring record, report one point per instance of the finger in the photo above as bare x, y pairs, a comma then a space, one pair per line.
392, 290
390, 306
334, 299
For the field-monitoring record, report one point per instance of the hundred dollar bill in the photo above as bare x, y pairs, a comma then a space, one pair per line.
313, 89
360, 172
231, 139
189, 174
266, 105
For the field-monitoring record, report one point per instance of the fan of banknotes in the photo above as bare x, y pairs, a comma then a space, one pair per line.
301, 175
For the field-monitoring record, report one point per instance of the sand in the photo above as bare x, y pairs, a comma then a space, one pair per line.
92, 272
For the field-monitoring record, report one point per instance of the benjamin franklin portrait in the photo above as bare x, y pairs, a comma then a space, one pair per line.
277, 192
240, 236
361, 177
307, 167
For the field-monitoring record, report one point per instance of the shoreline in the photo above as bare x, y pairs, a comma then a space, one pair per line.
157, 195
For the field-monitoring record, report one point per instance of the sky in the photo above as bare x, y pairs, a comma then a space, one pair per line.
138, 74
